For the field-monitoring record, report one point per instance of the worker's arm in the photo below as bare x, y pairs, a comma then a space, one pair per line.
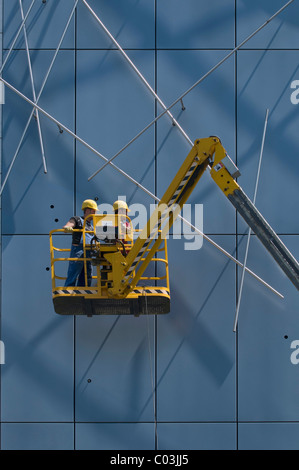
69, 226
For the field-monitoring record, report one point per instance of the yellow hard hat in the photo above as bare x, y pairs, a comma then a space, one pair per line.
89, 203
120, 205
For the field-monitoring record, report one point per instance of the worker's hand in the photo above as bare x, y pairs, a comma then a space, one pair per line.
68, 229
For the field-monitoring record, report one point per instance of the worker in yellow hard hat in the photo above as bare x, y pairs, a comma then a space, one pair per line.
76, 273
121, 206
125, 229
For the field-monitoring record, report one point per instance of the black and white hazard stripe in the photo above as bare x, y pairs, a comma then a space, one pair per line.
183, 182
74, 291
150, 291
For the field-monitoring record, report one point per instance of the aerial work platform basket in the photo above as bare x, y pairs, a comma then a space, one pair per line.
121, 285
150, 293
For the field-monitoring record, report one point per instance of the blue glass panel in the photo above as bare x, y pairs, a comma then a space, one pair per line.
268, 436
281, 32
195, 24
117, 436
113, 369
196, 436
267, 327
264, 82
132, 24
37, 377
209, 110
196, 377
45, 23
113, 106
37, 436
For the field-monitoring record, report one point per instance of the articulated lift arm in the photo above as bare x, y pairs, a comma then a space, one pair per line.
206, 153
220, 173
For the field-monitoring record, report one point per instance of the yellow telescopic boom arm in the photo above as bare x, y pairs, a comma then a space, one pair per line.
206, 153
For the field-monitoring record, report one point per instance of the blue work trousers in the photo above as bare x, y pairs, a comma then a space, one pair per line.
76, 272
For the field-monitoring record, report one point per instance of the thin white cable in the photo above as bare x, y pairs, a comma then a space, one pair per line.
33, 89
249, 232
